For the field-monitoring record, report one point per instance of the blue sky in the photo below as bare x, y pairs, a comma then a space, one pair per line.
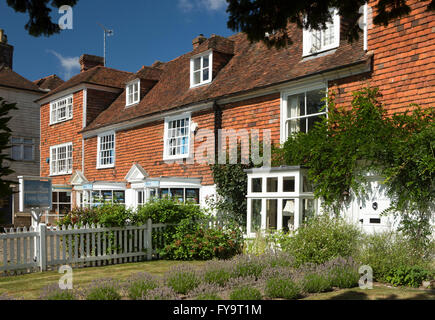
145, 31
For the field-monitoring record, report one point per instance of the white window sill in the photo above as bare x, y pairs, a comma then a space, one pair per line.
131, 104
192, 86
319, 53
106, 167
61, 174
61, 121
180, 157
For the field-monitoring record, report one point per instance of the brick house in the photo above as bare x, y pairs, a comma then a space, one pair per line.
122, 137
24, 125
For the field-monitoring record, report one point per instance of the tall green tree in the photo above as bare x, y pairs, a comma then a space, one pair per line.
5, 134
40, 22
257, 18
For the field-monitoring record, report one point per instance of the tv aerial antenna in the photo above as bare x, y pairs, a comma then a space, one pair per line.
107, 33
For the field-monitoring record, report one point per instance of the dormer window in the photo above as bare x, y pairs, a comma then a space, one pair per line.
316, 41
132, 96
201, 69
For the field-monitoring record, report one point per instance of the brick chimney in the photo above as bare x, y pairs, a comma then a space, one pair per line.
88, 61
198, 40
6, 51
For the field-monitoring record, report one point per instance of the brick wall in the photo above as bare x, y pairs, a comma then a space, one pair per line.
60, 133
403, 64
97, 101
144, 145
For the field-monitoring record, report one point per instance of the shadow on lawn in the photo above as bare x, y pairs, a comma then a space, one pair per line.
357, 295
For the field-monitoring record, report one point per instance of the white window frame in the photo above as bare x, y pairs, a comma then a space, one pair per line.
54, 108
166, 155
105, 134
208, 54
307, 38
21, 145
284, 103
130, 91
68, 170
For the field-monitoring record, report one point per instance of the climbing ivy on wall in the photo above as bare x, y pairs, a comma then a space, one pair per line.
354, 140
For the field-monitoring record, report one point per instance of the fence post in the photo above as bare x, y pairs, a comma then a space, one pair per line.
149, 240
42, 247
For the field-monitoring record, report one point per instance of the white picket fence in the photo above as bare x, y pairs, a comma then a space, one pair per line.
31, 250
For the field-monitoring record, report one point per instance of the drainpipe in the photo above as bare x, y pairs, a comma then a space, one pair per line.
217, 126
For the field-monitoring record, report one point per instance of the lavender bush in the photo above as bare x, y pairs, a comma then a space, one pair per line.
53, 292
182, 279
161, 293
138, 285
103, 289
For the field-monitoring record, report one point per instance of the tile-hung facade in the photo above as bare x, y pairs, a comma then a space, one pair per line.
108, 135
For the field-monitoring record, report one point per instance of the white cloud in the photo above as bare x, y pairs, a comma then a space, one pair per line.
210, 5
68, 63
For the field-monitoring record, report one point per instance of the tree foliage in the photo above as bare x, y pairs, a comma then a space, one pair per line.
257, 18
40, 22
341, 149
5, 134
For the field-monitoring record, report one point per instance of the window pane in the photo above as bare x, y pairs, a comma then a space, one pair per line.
164, 193
296, 106
306, 185
205, 62
64, 208
314, 101
177, 194
65, 197
197, 64
272, 184
328, 34
119, 197
307, 209
288, 214
16, 152
28, 153
54, 197
197, 77
288, 184
313, 120
16, 140
257, 184
192, 195
271, 214
255, 214
205, 75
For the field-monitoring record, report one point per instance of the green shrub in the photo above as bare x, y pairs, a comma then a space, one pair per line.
139, 285
182, 279
103, 289
284, 288
411, 276
203, 243
385, 252
344, 277
217, 276
315, 283
245, 293
322, 239
108, 215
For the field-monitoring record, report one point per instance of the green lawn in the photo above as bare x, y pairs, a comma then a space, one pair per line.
29, 286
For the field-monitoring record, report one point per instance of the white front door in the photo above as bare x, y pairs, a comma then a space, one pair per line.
371, 206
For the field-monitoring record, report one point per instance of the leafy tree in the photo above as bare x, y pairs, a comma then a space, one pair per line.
257, 18
5, 134
40, 22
